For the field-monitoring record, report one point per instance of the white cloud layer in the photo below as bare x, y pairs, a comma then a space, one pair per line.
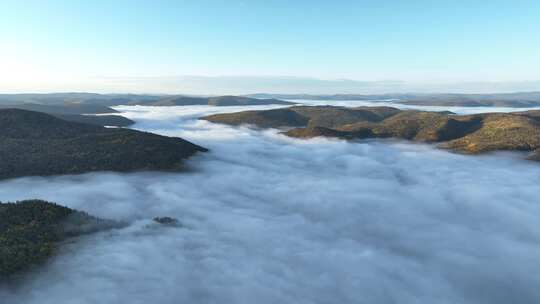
271, 219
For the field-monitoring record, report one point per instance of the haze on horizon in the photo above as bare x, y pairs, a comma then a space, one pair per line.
237, 47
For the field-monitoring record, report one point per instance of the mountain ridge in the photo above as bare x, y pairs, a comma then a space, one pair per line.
35, 143
107, 100
32, 230
469, 134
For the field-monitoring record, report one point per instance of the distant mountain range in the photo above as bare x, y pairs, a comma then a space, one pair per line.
470, 134
517, 100
92, 102
213, 101
74, 112
75, 98
73, 106
34, 143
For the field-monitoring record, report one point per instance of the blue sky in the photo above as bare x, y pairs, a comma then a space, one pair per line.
72, 41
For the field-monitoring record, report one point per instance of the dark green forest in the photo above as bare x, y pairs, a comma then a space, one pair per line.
31, 230
33, 143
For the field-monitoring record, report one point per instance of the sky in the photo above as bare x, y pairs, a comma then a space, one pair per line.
56, 45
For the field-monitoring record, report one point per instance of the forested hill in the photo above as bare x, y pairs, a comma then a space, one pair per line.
30, 232
473, 134
33, 143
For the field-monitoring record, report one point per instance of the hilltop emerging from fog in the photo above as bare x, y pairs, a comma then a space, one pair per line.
31, 231
472, 134
34, 143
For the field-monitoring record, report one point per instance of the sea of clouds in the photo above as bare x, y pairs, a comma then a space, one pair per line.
270, 219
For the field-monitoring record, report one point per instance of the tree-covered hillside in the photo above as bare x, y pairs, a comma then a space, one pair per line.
31, 230
33, 143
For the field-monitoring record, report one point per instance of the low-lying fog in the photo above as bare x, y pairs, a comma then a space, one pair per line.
269, 219
396, 104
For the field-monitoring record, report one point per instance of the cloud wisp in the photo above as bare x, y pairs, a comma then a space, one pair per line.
270, 219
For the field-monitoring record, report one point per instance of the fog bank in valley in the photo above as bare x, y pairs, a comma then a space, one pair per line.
269, 219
